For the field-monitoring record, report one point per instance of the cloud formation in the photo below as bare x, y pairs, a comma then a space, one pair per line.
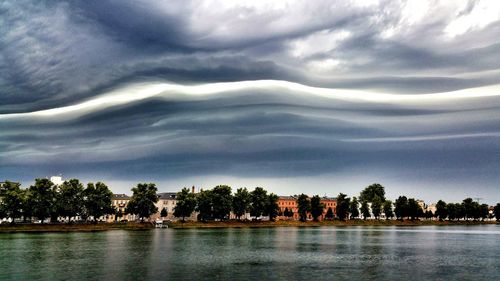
406, 92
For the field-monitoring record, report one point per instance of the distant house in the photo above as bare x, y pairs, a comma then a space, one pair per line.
57, 180
290, 203
120, 201
168, 201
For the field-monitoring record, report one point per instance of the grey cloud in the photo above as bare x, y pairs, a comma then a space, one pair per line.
59, 53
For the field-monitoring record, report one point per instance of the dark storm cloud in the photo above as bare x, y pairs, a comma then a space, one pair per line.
55, 54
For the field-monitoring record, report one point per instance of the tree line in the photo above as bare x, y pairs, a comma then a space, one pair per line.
372, 198
44, 200
218, 203
71, 201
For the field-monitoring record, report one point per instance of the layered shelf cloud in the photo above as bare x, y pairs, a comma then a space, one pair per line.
322, 96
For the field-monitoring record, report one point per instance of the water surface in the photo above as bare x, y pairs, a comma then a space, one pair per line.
323, 253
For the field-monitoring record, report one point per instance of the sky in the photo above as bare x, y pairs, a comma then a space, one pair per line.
319, 97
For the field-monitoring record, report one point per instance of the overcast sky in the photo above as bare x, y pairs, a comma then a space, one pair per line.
318, 97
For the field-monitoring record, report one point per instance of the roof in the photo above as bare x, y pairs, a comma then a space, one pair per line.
120, 196
167, 195
281, 197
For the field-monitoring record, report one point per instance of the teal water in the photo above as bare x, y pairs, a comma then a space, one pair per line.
329, 253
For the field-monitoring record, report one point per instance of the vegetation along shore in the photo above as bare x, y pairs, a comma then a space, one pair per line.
69, 206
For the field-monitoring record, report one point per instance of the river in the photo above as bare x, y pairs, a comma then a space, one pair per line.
281, 253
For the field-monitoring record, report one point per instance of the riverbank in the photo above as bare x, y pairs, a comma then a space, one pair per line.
284, 223
9, 228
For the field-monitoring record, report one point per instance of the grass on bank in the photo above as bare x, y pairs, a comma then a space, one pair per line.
84, 227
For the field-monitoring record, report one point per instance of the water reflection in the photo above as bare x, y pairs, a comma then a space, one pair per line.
375, 253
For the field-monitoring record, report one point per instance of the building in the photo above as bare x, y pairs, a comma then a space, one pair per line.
329, 202
290, 203
56, 180
119, 202
168, 201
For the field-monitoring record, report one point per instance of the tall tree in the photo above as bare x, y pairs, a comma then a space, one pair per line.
342, 206
289, 215
186, 203
272, 207
388, 209
97, 200
42, 198
12, 199
370, 192
483, 211
222, 201
70, 199
468, 205
241, 202
163, 212
376, 207
329, 214
401, 207
451, 211
316, 207
303, 206
365, 210
413, 208
258, 198
354, 208
143, 200
496, 211
442, 210
204, 205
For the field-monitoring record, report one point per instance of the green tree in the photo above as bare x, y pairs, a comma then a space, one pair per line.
442, 210
483, 211
354, 208
401, 207
468, 205
222, 201
289, 214
186, 204
365, 210
428, 214
143, 200
241, 202
97, 200
42, 199
496, 211
388, 209
342, 206
413, 208
329, 214
316, 207
12, 199
460, 213
303, 206
259, 199
204, 205
272, 207
371, 192
70, 199
376, 207
164, 212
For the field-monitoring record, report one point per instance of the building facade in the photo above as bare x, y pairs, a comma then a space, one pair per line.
290, 203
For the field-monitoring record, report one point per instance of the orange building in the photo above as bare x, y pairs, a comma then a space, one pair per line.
290, 203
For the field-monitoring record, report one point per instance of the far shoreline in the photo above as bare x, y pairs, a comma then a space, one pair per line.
90, 227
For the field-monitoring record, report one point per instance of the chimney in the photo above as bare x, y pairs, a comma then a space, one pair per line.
192, 189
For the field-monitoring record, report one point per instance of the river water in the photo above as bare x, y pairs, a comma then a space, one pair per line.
323, 253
